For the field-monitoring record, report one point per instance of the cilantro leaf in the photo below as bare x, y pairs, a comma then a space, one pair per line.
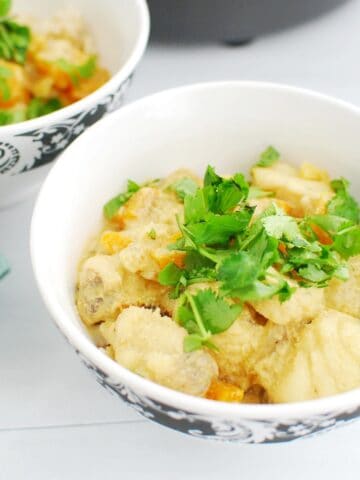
257, 192
202, 315
8, 117
113, 205
5, 74
5, 6
38, 107
343, 204
217, 229
78, 72
195, 206
211, 177
347, 242
238, 271
170, 275
217, 315
14, 41
268, 157
184, 186
313, 273
284, 226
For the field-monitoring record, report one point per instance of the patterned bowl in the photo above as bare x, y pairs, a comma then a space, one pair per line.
226, 125
121, 30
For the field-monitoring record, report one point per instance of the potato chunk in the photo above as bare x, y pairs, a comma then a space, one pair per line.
236, 346
151, 345
105, 288
345, 296
303, 305
309, 195
98, 289
325, 362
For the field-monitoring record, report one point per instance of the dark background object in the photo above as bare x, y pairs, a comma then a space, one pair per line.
231, 21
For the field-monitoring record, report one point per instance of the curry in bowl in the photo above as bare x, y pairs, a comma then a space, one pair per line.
229, 289
45, 64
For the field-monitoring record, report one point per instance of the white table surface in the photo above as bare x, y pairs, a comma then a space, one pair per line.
56, 422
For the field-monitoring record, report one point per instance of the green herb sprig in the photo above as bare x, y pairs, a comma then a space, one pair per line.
14, 38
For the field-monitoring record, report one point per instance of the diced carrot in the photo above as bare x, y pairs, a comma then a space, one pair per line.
322, 236
122, 216
224, 392
164, 257
113, 242
282, 248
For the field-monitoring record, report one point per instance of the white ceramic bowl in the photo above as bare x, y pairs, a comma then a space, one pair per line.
120, 29
226, 125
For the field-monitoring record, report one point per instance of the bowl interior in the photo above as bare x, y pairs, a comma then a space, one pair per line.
225, 125
114, 24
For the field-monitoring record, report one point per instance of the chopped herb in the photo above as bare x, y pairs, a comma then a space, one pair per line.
38, 107
268, 157
343, 204
256, 192
78, 72
5, 6
113, 205
8, 117
170, 275
152, 234
14, 41
250, 259
184, 186
203, 315
5, 74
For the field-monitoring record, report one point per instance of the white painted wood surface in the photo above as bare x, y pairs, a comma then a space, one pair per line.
56, 422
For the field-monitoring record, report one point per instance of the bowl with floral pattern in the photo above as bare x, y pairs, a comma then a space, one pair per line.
119, 30
222, 124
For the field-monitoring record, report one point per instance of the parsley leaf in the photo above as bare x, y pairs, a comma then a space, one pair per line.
268, 157
113, 205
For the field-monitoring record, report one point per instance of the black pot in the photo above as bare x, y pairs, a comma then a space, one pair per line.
232, 21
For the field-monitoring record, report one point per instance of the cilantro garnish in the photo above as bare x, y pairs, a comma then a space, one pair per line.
257, 192
5, 74
113, 205
203, 315
343, 204
268, 157
251, 258
184, 186
8, 117
78, 72
14, 41
38, 107
152, 234
5, 6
